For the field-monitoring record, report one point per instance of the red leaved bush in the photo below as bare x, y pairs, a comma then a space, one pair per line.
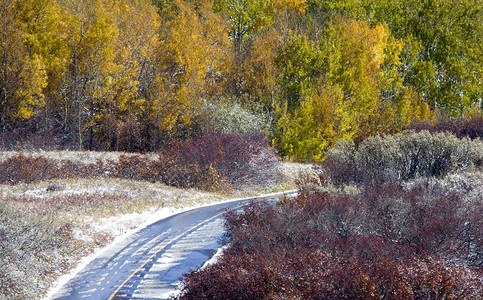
470, 126
212, 162
386, 243
25, 169
238, 158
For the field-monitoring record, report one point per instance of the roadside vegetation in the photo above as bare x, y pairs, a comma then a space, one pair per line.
214, 162
395, 217
401, 157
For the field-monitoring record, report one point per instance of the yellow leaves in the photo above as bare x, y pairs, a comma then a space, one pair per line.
349, 88
183, 55
300, 134
193, 59
31, 97
356, 66
362, 48
260, 73
298, 5
22, 72
136, 24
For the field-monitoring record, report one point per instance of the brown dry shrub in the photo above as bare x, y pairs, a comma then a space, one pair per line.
33, 249
26, 169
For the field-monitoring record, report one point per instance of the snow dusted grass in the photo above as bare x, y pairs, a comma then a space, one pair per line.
100, 197
84, 157
48, 227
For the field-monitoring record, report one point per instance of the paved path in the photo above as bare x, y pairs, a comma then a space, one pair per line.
148, 264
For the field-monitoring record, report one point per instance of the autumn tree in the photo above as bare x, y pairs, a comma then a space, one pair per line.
135, 74
339, 87
191, 64
246, 17
110, 48
258, 71
90, 53
22, 74
120, 116
46, 39
286, 14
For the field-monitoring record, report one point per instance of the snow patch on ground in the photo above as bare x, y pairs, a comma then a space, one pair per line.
85, 157
215, 258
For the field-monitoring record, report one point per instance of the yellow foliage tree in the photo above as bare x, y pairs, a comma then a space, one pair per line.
192, 62
286, 12
346, 86
22, 74
125, 98
87, 81
110, 49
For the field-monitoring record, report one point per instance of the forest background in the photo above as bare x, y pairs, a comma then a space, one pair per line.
136, 75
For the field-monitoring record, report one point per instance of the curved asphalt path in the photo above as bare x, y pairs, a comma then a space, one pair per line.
149, 263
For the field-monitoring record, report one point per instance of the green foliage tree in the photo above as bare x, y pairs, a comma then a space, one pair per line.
246, 17
442, 53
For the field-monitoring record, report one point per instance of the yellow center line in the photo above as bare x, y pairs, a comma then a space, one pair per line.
179, 236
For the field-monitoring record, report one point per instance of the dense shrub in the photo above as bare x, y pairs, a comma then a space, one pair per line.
402, 156
30, 135
385, 243
132, 167
470, 126
213, 162
25, 169
240, 159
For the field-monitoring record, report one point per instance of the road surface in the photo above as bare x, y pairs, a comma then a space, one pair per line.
148, 264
